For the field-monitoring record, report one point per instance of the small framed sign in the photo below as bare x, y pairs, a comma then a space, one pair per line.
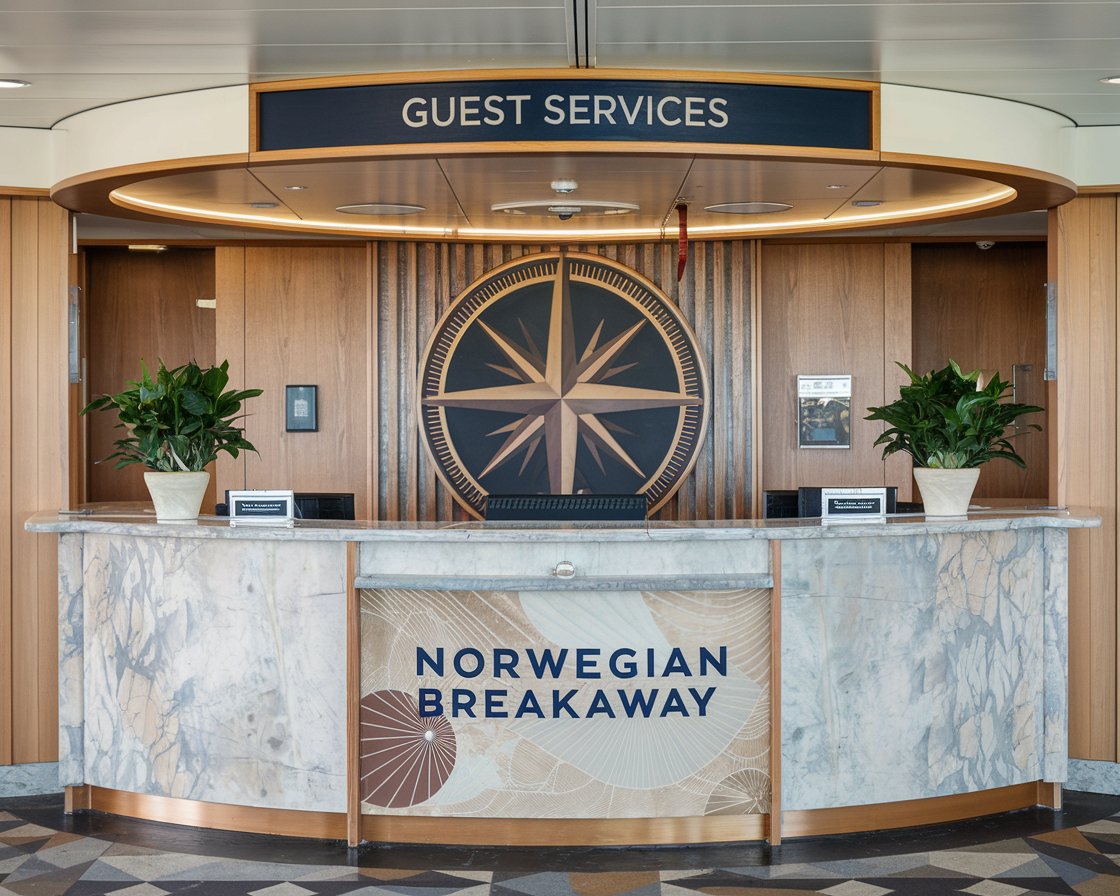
824, 411
261, 507
301, 408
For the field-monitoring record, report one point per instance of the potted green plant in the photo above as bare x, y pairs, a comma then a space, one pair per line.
951, 425
176, 424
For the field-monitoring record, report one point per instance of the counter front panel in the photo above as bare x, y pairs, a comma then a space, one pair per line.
565, 704
204, 670
959, 635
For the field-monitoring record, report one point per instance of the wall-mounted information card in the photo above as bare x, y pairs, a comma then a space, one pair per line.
824, 411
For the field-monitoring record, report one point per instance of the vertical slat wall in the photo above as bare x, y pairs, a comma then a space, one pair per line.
306, 309
416, 282
1085, 234
33, 476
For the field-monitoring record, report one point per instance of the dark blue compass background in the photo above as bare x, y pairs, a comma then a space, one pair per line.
522, 318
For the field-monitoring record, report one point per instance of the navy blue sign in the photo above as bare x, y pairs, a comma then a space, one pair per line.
550, 110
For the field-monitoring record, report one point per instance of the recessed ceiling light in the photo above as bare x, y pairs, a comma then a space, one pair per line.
262, 205
749, 208
13, 83
564, 185
1111, 79
380, 208
867, 203
295, 187
564, 210
836, 187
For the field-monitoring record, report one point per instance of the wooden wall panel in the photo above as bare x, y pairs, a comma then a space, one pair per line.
363, 317
141, 305
229, 345
986, 309
1085, 234
37, 460
7, 520
824, 310
306, 322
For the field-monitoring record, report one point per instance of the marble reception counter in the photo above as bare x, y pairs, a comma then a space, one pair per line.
499, 683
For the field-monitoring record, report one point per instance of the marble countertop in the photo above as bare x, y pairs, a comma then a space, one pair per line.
138, 523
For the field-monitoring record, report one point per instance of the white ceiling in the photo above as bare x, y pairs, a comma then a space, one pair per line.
80, 54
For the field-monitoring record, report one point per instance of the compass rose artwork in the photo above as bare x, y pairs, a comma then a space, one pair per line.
562, 373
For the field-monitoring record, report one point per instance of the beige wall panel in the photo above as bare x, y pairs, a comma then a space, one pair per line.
824, 309
141, 306
7, 520
987, 309
306, 323
1085, 232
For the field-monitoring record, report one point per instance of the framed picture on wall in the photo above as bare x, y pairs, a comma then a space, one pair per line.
824, 411
301, 408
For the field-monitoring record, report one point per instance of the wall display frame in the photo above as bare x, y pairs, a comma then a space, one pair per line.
301, 408
824, 411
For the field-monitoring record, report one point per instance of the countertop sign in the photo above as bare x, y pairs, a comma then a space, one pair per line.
568, 109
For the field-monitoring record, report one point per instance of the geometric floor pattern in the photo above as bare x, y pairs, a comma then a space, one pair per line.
38, 860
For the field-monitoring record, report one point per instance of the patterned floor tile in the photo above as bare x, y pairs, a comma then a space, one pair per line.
285, 889
140, 890
150, 866
861, 888
613, 883
980, 864
994, 888
1097, 886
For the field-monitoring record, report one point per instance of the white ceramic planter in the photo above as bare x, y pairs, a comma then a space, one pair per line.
177, 496
946, 492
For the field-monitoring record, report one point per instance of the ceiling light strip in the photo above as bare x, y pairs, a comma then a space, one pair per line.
641, 233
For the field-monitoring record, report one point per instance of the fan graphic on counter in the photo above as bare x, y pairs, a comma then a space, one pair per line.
404, 758
562, 374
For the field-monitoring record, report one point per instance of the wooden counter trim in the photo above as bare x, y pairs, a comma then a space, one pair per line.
914, 813
396, 151
774, 819
564, 831
199, 814
1050, 795
36, 192
549, 74
89, 191
75, 798
353, 698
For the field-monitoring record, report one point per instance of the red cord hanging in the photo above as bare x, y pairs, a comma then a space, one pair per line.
682, 239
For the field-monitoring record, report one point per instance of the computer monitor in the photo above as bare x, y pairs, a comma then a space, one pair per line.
567, 507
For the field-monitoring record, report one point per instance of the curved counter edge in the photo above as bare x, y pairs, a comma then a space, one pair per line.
941, 641
781, 530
